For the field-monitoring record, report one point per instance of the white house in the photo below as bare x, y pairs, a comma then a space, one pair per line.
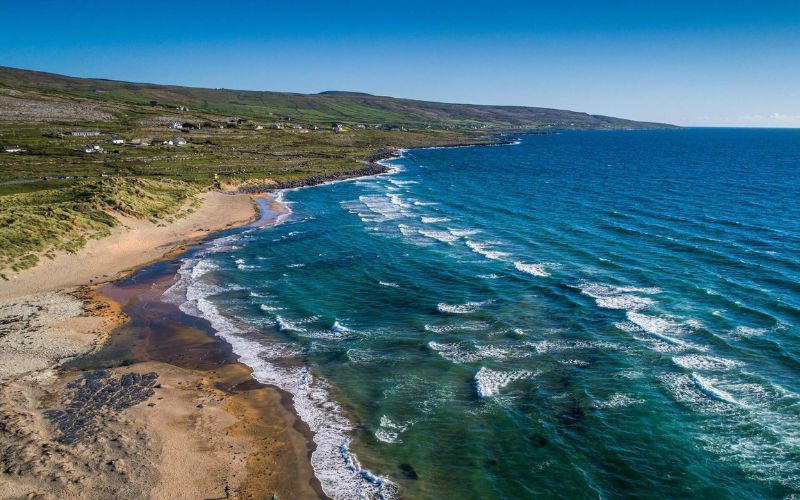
297, 127
276, 126
178, 141
13, 149
115, 139
313, 127
256, 127
338, 128
92, 148
174, 124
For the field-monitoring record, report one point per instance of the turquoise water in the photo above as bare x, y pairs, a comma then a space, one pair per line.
585, 314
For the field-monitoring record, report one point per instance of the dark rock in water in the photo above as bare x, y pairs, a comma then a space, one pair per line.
538, 441
572, 415
371, 167
408, 471
95, 396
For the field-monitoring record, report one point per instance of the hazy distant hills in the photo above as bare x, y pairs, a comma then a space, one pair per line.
329, 106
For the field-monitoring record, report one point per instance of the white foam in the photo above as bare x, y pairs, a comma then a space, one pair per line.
337, 468
443, 236
434, 220
702, 362
361, 356
618, 297
549, 346
389, 284
389, 431
575, 362
406, 230
395, 199
463, 232
746, 331
533, 269
489, 382
482, 249
465, 308
618, 400
380, 207
708, 388
286, 325
268, 309
339, 328
459, 327
465, 353
657, 326
244, 267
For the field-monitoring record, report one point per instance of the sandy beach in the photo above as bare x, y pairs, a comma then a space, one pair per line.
131, 244
85, 408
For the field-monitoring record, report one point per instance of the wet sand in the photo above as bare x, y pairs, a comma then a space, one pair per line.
160, 408
273, 448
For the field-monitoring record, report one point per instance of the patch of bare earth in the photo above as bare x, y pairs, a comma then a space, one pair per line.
18, 108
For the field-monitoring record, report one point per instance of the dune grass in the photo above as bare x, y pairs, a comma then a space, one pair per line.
36, 224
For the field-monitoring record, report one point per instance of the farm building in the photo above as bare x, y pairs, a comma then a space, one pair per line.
83, 133
92, 148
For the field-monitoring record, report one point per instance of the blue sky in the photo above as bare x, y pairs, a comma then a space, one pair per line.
731, 63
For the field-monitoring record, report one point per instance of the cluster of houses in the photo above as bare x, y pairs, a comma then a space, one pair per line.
114, 139
92, 149
235, 122
281, 126
185, 126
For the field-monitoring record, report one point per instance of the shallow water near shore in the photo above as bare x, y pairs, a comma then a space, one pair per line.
582, 314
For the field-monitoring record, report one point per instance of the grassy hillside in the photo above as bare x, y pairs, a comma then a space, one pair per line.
346, 107
54, 196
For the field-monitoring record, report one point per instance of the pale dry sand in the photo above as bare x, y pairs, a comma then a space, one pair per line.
190, 438
37, 331
132, 244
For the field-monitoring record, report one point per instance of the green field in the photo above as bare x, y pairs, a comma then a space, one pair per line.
54, 197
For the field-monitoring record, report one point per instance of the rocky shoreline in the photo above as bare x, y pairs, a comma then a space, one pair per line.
372, 166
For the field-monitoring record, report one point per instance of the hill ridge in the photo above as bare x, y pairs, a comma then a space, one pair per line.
329, 106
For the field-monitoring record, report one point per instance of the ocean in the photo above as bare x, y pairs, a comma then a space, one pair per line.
582, 314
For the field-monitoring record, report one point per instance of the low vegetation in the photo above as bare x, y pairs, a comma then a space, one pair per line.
54, 197
36, 224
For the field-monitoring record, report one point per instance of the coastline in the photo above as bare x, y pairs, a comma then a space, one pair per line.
155, 445
162, 428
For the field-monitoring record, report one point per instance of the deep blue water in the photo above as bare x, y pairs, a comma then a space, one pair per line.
585, 314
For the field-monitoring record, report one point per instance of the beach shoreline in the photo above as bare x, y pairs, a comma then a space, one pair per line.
58, 317
196, 433
68, 298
